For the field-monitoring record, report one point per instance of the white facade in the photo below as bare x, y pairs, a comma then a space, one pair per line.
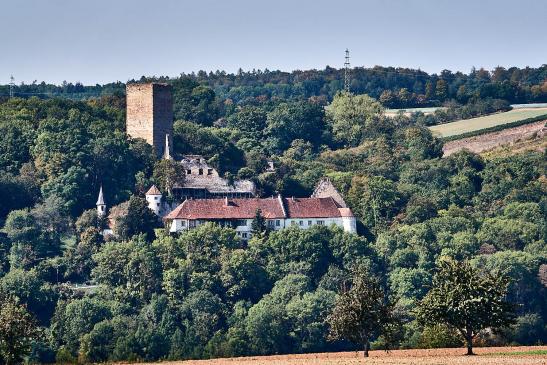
244, 230
154, 203
101, 205
101, 210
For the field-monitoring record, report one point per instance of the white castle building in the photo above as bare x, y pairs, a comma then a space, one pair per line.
326, 207
278, 212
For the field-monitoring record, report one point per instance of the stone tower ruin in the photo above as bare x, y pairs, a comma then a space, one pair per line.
150, 114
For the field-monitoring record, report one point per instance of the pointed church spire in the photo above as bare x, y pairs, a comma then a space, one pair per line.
167, 151
101, 206
100, 200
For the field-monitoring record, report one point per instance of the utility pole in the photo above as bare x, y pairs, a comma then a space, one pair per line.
11, 86
346, 72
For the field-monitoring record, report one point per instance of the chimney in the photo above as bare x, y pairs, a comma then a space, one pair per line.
167, 151
280, 200
226, 201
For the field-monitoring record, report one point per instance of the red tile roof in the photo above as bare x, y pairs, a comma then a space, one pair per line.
245, 208
153, 191
311, 207
346, 212
217, 209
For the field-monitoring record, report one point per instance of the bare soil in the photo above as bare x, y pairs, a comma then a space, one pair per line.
489, 141
487, 356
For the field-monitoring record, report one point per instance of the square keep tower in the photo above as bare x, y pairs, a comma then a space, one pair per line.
150, 113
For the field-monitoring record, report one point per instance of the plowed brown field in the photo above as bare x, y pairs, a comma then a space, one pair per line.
489, 141
490, 356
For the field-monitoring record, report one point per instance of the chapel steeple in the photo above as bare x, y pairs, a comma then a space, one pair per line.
101, 206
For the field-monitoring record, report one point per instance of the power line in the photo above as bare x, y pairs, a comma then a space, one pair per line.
11, 86
346, 72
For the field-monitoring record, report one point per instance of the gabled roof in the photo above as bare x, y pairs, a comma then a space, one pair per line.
153, 191
245, 208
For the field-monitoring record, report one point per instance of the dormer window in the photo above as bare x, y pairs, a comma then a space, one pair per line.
209, 171
200, 171
188, 172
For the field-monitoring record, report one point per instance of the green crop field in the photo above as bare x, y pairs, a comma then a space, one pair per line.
486, 122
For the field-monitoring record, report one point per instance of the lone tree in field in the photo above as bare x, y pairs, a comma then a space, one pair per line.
466, 299
362, 313
18, 328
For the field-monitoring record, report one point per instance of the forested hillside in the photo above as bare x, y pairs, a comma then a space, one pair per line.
205, 293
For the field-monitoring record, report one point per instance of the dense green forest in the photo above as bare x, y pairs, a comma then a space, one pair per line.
204, 293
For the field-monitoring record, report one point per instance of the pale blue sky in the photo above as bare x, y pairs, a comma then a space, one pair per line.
98, 41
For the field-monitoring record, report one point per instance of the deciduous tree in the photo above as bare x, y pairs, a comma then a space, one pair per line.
362, 313
466, 300
350, 115
18, 328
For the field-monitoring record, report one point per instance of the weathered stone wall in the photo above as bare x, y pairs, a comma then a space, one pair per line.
140, 111
150, 113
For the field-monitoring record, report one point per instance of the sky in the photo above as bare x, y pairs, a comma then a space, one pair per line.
102, 41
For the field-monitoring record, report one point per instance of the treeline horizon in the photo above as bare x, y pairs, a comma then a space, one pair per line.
393, 86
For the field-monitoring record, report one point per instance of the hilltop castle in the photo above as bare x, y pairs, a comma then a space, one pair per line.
204, 195
150, 117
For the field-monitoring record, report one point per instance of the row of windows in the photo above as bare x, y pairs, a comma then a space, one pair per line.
200, 172
191, 224
271, 223
277, 223
294, 223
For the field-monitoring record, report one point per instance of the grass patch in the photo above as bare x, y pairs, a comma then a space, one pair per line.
519, 353
496, 128
489, 123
